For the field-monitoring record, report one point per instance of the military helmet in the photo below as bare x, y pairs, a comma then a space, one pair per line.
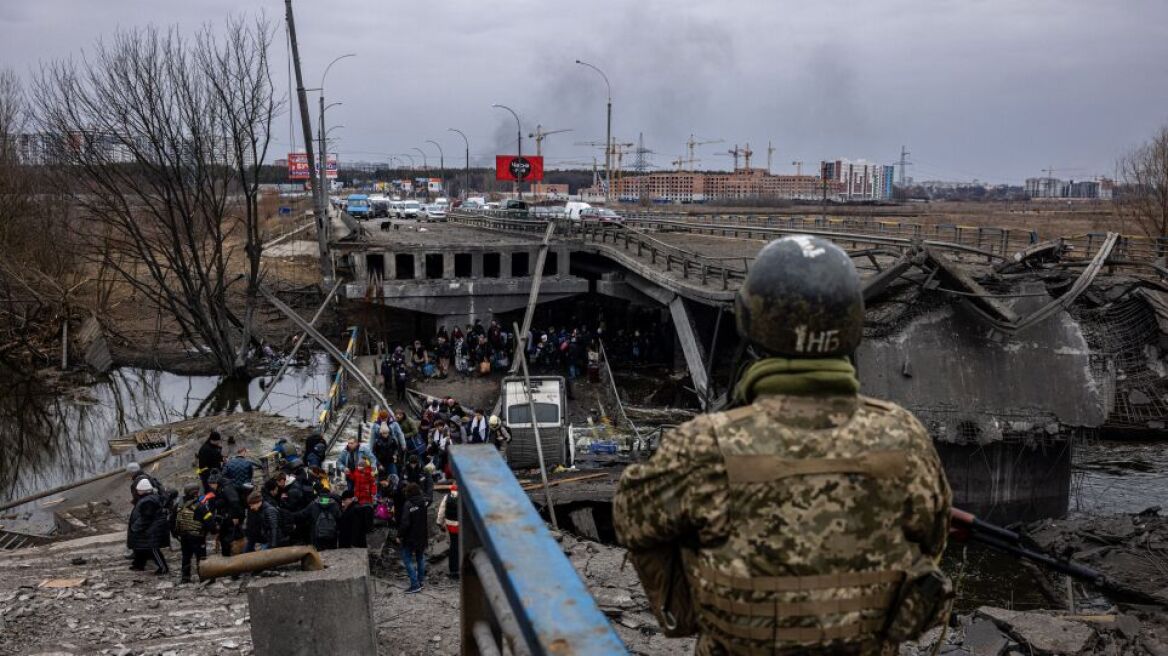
801, 299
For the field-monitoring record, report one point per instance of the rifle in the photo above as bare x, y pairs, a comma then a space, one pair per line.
965, 526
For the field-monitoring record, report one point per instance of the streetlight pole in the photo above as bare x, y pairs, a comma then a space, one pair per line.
425, 170
441, 163
322, 170
323, 181
518, 143
466, 182
607, 135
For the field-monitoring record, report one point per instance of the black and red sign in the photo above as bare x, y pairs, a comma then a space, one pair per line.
518, 169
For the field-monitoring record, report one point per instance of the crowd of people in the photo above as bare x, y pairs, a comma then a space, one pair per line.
479, 350
390, 479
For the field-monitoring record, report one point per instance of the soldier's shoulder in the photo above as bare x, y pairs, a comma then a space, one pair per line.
890, 414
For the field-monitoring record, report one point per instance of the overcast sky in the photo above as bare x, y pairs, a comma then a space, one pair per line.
989, 89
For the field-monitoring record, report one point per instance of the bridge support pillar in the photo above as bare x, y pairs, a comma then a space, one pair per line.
505, 264
563, 266
476, 265
691, 347
447, 265
419, 266
390, 266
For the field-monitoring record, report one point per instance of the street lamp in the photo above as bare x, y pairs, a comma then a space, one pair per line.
518, 141
409, 156
466, 182
607, 135
323, 154
441, 161
425, 162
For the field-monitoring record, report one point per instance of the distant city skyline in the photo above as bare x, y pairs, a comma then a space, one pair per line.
992, 90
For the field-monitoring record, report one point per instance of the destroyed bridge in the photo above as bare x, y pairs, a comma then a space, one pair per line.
1008, 349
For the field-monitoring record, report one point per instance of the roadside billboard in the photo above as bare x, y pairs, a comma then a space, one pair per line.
298, 168
518, 169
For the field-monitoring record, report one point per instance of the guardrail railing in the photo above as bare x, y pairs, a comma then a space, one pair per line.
519, 593
690, 266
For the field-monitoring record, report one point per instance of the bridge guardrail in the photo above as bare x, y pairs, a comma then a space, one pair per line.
519, 593
690, 265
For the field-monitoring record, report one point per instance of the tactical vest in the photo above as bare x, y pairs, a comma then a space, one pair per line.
816, 554
187, 522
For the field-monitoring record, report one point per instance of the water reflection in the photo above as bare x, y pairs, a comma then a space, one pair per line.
48, 438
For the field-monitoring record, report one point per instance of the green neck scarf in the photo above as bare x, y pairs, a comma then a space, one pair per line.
822, 377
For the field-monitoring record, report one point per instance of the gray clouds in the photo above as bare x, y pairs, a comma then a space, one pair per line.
996, 89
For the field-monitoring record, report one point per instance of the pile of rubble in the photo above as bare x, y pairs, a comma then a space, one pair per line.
992, 631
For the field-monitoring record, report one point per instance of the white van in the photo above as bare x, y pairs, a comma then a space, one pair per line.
547, 394
572, 209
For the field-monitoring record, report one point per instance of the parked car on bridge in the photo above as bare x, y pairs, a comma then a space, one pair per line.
358, 207
409, 209
602, 214
515, 209
436, 212
572, 209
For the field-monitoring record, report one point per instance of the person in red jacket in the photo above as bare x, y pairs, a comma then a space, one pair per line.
448, 517
363, 481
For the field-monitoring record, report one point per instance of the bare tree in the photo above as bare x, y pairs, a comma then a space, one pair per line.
1143, 199
34, 278
160, 139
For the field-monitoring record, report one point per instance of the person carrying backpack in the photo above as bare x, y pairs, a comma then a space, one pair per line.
191, 521
414, 532
323, 517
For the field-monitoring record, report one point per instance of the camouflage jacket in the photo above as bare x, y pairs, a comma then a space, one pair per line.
788, 526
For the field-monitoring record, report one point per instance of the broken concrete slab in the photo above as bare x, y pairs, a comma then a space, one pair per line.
983, 638
283, 610
1042, 634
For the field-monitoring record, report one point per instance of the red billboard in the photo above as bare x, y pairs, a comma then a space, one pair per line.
298, 168
518, 169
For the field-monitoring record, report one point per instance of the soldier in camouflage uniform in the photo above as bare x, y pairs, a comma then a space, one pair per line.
809, 519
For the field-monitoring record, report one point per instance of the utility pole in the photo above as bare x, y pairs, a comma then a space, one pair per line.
321, 206
903, 163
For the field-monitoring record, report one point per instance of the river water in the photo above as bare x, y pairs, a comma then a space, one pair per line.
52, 438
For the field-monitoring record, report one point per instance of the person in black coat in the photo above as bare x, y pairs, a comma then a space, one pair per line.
228, 509
414, 531
149, 529
210, 457
262, 528
354, 523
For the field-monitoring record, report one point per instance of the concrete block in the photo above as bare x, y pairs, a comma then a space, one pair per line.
325, 612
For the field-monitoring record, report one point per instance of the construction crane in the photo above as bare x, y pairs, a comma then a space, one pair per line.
693, 143
770, 153
679, 162
798, 167
746, 153
734, 152
540, 134
618, 151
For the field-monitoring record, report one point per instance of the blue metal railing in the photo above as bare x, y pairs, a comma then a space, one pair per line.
519, 592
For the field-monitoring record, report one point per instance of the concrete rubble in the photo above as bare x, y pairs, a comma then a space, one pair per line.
990, 631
